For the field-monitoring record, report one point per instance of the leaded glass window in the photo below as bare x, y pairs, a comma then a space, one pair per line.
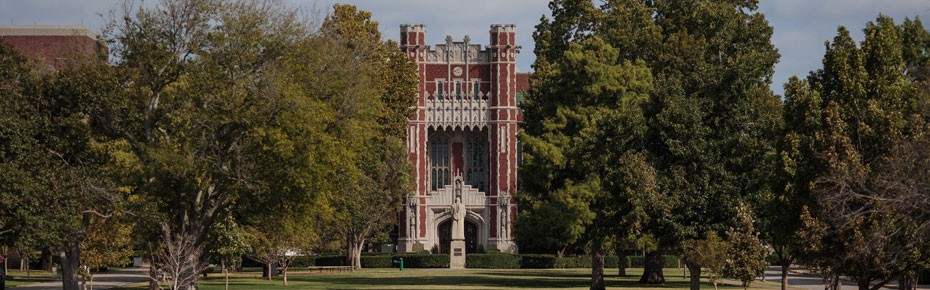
476, 164
439, 90
440, 163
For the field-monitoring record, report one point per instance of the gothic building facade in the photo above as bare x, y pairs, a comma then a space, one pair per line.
462, 140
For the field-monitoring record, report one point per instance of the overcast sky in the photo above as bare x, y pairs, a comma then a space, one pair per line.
801, 26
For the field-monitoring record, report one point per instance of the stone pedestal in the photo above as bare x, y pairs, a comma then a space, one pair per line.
457, 255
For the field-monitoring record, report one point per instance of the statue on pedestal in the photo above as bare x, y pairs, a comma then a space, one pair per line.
458, 220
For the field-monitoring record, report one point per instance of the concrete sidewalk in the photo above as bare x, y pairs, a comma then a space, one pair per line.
802, 279
105, 280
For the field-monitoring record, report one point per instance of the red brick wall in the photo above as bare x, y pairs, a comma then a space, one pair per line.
57, 51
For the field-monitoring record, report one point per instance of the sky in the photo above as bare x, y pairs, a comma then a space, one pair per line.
801, 26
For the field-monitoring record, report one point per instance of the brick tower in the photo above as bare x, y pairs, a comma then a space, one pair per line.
462, 140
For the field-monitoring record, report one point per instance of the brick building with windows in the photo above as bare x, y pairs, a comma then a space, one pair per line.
462, 140
55, 46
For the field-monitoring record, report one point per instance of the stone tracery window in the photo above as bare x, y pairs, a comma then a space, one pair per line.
440, 163
476, 154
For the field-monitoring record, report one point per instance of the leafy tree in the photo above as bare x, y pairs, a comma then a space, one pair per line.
233, 105
384, 89
586, 98
798, 167
58, 161
277, 244
107, 244
551, 224
857, 223
227, 244
746, 253
710, 253
711, 122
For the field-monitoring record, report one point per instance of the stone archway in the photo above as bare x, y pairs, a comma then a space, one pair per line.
445, 236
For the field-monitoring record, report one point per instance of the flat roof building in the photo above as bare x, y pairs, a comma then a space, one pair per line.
56, 46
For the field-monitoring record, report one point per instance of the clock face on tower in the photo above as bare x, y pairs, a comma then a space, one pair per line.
457, 71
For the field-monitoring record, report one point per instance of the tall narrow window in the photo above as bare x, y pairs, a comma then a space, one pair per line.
476, 167
458, 90
439, 161
476, 90
438, 95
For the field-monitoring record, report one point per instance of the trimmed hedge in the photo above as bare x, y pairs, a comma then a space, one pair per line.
330, 260
493, 261
486, 261
424, 261
303, 262
668, 261
538, 261
377, 261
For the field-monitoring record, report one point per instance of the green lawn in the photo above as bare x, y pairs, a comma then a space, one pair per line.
453, 279
16, 278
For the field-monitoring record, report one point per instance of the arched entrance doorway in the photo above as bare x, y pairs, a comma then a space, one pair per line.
445, 236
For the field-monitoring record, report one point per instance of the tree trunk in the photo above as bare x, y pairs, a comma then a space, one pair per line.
69, 266
284, 274
153, 275
355, 252
695, 276
270, 266
597, 265
621, 263
652, 271
225, 273
863, 282
785, 264
836, 285
907, 281
46, 259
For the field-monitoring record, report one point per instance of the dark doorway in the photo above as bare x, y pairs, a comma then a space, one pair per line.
445, 237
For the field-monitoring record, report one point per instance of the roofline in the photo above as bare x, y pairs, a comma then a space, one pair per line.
46, 30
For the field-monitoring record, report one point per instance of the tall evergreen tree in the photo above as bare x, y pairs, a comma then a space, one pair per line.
873, 107
712, 122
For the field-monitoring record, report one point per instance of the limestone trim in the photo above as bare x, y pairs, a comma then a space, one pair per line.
451, 114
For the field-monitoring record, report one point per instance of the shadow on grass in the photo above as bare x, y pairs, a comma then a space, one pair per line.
538, 273
461, 281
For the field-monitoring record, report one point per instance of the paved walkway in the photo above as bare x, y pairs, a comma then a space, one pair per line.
106, 280
803, 279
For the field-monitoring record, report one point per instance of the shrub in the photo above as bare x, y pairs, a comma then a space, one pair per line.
378, 254
331, 261
377, 261
611, 261
573, 262
424, 261
635, 262
303, 262
538, 261
492, 261
668, 261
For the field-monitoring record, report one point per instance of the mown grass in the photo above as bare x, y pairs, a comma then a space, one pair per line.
452, 279
18, 278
